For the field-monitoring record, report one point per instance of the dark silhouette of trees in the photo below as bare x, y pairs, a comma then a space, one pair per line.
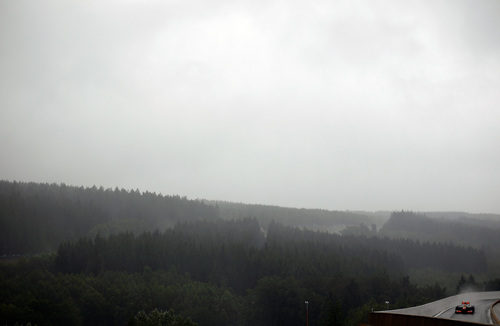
217, 273
36, 217
410, 225
129, 257
160, 318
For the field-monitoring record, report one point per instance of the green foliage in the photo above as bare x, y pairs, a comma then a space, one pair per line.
160, 318
249, 271
216, 273
278, 301
110, 298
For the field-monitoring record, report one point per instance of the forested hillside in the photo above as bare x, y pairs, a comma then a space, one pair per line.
36, 217
216, 273
117, 257
418, 226
206, 249
313, 219
222, 272
477, 219
479, 231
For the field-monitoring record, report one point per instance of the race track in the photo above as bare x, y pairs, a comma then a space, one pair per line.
445, 308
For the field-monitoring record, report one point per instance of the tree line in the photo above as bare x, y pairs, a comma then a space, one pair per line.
36, 217
411, 225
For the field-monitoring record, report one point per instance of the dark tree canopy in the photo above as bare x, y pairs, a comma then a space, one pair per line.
116, 257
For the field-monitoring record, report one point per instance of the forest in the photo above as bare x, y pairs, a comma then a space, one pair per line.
91, 256
36, 217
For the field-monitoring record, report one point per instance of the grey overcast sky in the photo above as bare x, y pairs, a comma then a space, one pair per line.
345, 104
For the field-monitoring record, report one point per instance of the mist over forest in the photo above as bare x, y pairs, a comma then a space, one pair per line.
95, 256
246, 162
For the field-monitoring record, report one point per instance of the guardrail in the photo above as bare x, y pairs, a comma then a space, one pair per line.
494, 317
392, 319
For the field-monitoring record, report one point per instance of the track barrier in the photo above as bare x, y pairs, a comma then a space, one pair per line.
392, 319
494, 317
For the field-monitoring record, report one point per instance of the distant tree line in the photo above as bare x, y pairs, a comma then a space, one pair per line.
37, 217
410, 225
315, 219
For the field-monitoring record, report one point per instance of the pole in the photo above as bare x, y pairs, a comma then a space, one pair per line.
307, 312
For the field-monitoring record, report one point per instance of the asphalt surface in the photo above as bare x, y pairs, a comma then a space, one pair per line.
445, 308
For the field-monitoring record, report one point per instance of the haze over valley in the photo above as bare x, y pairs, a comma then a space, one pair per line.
184, 163
257, 261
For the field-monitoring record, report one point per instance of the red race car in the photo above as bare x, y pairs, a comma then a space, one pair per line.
464, 308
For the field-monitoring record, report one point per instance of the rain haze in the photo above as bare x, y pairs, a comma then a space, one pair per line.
369, 105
